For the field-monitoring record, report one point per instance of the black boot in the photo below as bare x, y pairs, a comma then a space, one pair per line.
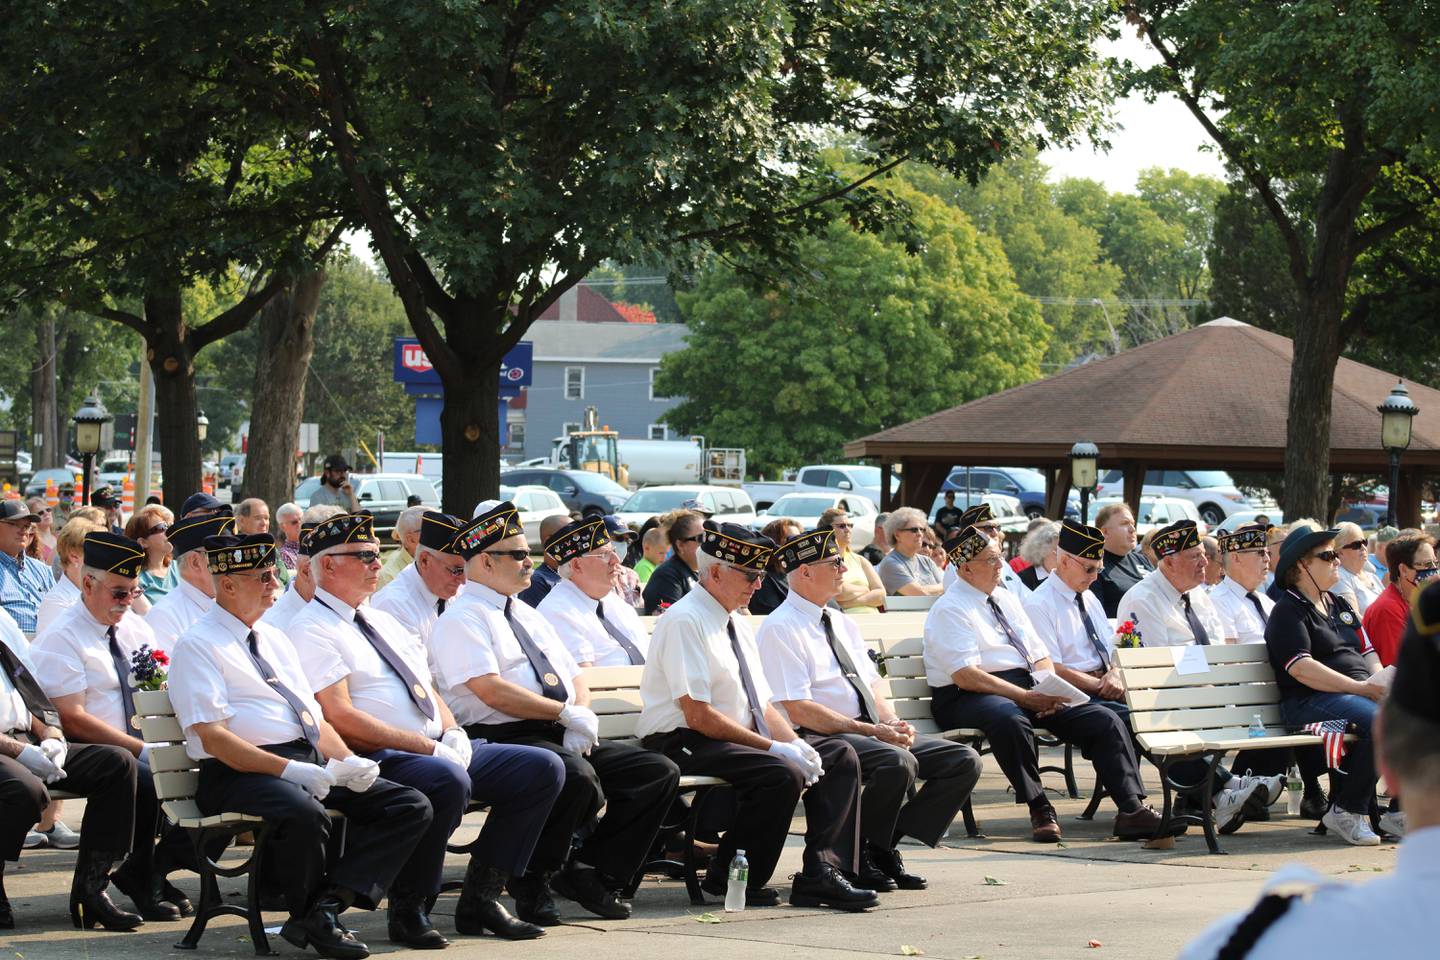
534, 903
870, 876
410, 925
588, 888
479, 908
7, 916
145, 892
321, 929
90, 905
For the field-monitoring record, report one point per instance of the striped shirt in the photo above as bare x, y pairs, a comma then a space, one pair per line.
23, 583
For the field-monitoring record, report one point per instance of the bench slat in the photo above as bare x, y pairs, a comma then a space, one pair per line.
1147, 678
1214, 654
174, 786
611, 678
908, 688
909, 647
1180, 698
1152, 721
170, 759
153, 702
618, 726
904, 667
615, 701
157, 729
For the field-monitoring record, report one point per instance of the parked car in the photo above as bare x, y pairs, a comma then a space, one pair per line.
806, 508
728, 504
1001, 504
1366, 513
844, 477
1154, 512
385, 495
228, 468
35, 486
588, 494
1021, 482
1212, 492
1240, 518
535, 503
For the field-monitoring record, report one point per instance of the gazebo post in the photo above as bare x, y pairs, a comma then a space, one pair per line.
1134, 485
1407, 497
887, 499
1059, 491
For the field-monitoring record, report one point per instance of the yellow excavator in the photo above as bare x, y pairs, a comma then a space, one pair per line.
592, 447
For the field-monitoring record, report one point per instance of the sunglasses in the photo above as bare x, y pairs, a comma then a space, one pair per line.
842, 526
126, 596
1354, 545
751, 576
366, 557
517, 555
694, 539
449, 570
837, 562
913, 529
1326, 556
1085, 568
264, 576
158, 528
989, 529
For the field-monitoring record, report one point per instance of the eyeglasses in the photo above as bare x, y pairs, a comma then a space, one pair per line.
916, 530
837, 562
366, 557
694, 539
989, 529
1327, 556
750, 575
1085, 568
842, 526
1354, 545
264, 576
517, 555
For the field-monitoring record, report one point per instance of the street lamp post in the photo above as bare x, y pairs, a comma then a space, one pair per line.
1084, 471
1396, 414
202, 427
89, 420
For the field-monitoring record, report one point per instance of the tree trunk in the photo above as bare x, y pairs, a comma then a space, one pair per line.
44, 414
1312, 381
286, 342
470, 426
172, 361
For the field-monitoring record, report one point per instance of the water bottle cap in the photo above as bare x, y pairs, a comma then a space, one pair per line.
739, 852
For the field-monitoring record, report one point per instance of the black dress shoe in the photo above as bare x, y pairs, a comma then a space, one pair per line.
585, 886
479, 907
409, 925
1314, 804
145, 895
321, 929
717, 886
869, 876
534, 903
173, 894
827, 888
90, 905
892, 865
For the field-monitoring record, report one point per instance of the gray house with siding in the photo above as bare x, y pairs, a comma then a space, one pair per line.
608, 366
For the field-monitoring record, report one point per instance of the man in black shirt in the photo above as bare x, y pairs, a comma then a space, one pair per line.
878, 547
947, 518
1124, 566
673, 579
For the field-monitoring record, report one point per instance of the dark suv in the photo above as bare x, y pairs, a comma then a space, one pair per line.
588, 494
1027, 485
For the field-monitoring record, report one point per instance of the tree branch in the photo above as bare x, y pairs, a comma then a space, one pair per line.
235, 318
134, 322
1366, 239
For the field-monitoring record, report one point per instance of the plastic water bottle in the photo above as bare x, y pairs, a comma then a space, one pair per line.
1257, 727
739, 878
1293, 790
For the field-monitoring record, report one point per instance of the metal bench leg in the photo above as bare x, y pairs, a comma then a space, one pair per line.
972, 829
1207, 808
1070, 785
1094, 804
693, 866
252, 894
1167, 807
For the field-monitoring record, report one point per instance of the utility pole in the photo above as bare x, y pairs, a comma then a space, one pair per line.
144, 436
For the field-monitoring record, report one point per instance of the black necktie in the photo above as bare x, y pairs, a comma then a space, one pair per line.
1090, 631
439, 606
868, 711
122, 673
550, 685
423, 701
302, 713
1259, 608
1197, 629
757, 709
633, 652
1010, 633
24, 682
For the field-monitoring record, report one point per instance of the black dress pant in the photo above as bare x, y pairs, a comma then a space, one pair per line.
383, 827
949, 771
766, 789
1100, 734
103, 774
634, 785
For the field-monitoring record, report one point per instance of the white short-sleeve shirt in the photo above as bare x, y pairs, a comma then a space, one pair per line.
961, 631
173, 613
407, 599
798, 661
213, 678
1159, 613
14, 715
73, 656
1009, 579
1056, 618
472, 639
691, 656
573, 615
284, 611
56, 601
332, 649
1238, 615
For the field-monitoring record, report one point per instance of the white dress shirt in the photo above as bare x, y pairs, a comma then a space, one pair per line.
332, 649
1009, 579
572, 613
1159, 613
961, 631
173, 613
284, 611
407, 599
14, 715
1237, 613
798, 661
213, 677
472, 639
73, 656
56, 601
1056, 618
691, 656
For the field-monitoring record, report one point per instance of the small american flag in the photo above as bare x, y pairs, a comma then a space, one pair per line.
1332, 736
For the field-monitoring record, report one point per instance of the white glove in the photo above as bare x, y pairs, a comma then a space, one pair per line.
55, 750
457, 740
314, 780
354, 773
579, 719
37, 763
802, 755
443, 751
577, 741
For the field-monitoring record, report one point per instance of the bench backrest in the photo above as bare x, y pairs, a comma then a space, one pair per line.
897, 603
1220, 702
176, 775
905, 677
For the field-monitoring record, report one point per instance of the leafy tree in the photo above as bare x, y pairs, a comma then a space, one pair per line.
867, 335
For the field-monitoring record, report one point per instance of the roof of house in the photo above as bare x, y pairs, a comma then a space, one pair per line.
590, 307
613, 342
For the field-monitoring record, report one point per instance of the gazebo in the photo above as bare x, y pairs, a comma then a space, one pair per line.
1215, 396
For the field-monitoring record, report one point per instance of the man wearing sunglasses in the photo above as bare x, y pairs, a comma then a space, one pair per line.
418, 595
508, 678
1239, 599
707, 707
823, 680
194, 593
598, 627
83, 663
24, 581
675, 577
982, 518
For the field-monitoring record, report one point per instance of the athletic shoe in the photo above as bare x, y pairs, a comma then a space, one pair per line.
34, 840
1393, 823
1229, 805
1350, 827
61, 837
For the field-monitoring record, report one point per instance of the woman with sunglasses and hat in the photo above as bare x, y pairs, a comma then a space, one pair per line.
1323, 665
1358, 583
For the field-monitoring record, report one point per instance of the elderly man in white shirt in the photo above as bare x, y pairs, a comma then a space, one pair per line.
264, 748
821, 676
982, 661
194, 593
1240, 599
982, 517
508, 678
708, 707
418, 595
1170, 606
598, 627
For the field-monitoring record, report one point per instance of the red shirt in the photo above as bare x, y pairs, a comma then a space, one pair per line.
1384, 623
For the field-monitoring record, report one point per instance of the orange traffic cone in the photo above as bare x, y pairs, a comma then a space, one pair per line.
52, 494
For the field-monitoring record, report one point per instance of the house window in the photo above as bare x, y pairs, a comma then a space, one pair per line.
653, 395
658, 431
517, 435
574, 383
570, 428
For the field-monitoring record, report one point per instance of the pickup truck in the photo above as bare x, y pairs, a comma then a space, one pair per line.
823, 477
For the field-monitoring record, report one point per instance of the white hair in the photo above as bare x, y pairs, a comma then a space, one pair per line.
704, 562
1040, 541
315, 565
287, 511
320, 513
902, 518
566, 570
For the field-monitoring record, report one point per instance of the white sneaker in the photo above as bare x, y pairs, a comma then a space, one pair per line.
34, 839
1393, 823
61, 837
1229, 803
1273, 787
1350, 827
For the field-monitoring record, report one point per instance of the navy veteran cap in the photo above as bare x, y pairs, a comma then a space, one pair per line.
306, 529
812, 546
498, 523
1085, 542
1252, 536
203, 503
228, 553
113, 553
577, 539
976, 513
341, 529
438, 530
618, 529
966, 545
190, 533
737, 545
1180, 535
697, 506
104, 496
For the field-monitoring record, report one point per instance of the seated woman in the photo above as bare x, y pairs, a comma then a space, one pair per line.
1410, 560
907, 570
1038, 551
1323, 664
147, 527
861, 590
1358, 583
773, 587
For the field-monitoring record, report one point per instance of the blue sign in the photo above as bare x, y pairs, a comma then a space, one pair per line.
413, 367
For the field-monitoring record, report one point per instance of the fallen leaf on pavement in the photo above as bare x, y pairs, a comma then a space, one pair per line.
1094, 944
1159, 843
708, 918
908, 951
992, 882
